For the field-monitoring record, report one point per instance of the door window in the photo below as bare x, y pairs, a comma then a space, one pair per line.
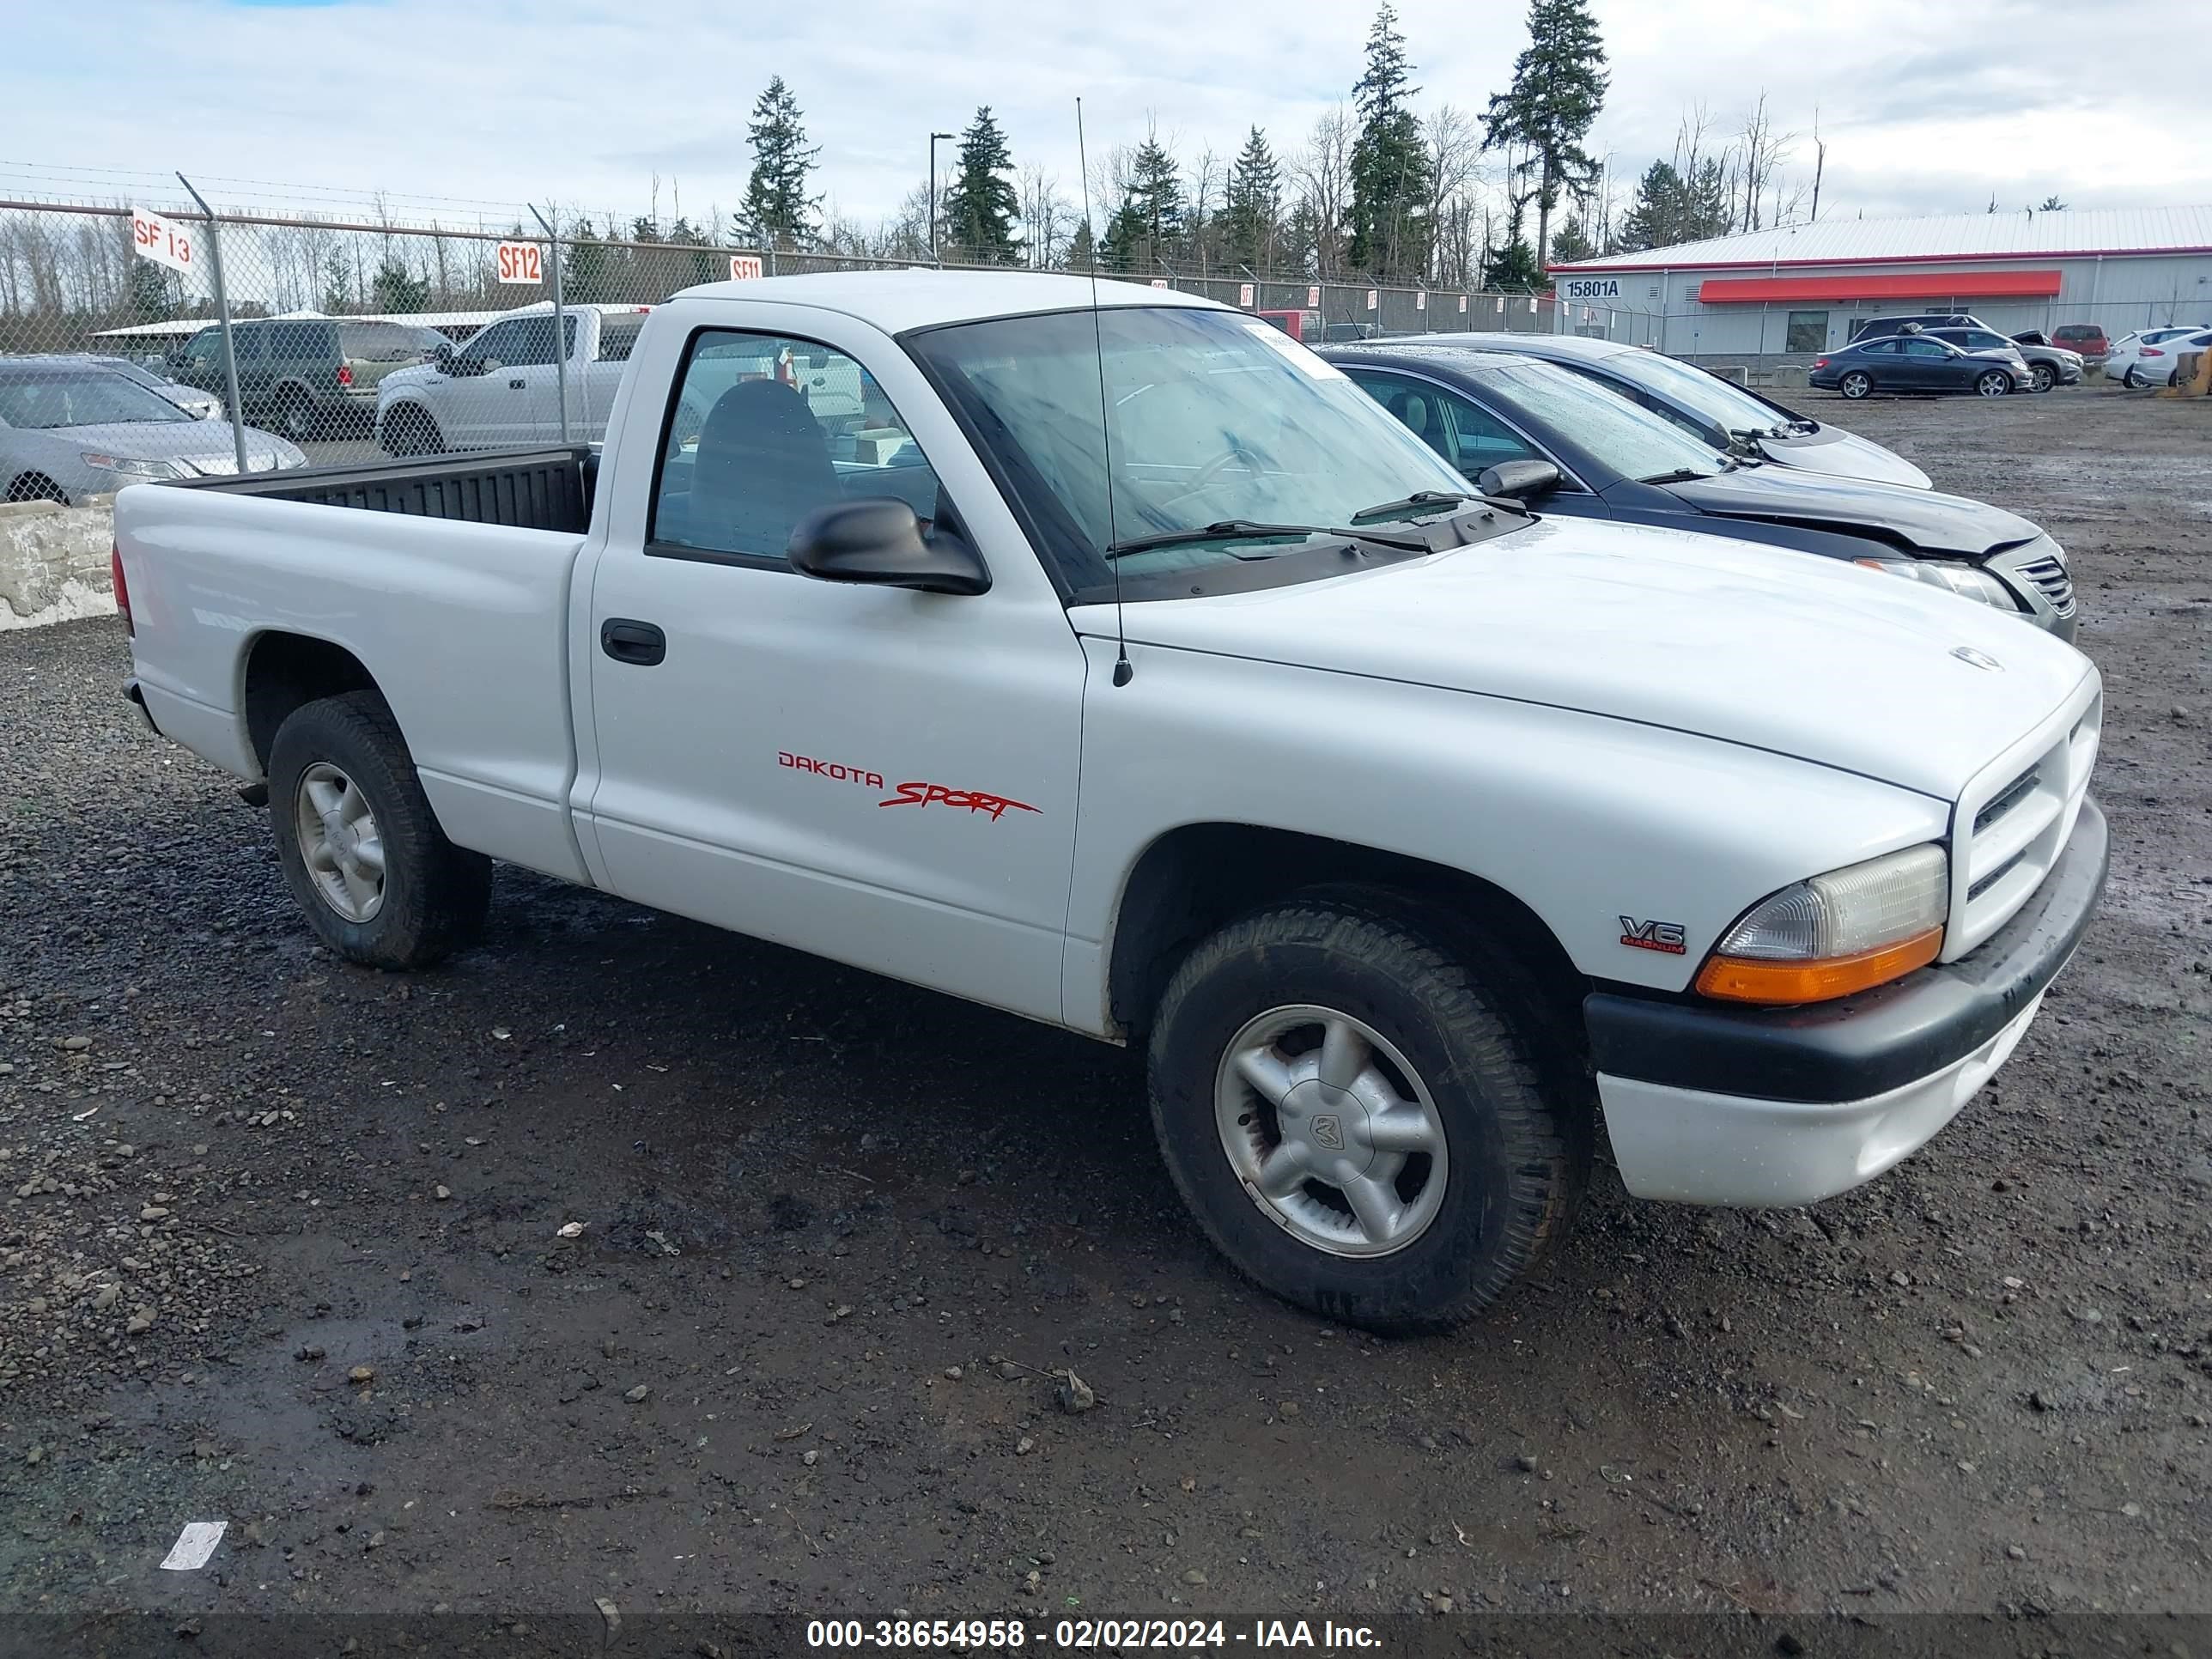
764, 430
520, 342
298, 342
1464, 433
1925, 348
1808, 332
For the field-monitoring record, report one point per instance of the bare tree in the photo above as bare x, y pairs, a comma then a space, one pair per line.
1047, 220
1454, 142
1209, 176
1321, 175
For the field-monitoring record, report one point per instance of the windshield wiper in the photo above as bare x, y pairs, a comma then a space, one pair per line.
1679, 474
1222, 529
1412, 503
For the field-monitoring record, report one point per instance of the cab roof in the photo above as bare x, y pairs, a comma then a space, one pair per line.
898, 300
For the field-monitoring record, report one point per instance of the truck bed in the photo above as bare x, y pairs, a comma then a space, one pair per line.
524, 489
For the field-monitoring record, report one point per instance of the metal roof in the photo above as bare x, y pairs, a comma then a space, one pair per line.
2024, 235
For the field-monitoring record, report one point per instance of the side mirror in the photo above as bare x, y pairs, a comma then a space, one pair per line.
442, 356
879, 542
1519, 480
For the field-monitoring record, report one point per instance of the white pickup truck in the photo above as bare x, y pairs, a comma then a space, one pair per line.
1127, 667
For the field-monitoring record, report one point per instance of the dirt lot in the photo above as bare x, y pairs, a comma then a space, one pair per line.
279, 1246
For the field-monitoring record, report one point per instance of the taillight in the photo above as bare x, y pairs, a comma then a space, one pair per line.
122, 590
2151, 351
345, 374
1821, 362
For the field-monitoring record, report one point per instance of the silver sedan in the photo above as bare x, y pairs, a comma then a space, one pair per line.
70, 430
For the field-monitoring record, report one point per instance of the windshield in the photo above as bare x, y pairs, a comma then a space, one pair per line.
45, 398
1705, 395
1211, 415
1624, 436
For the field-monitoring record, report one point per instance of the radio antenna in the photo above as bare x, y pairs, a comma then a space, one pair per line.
1122, 670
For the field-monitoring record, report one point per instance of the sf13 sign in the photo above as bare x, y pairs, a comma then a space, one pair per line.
744, 267
152, 237
1591, 288
522, 263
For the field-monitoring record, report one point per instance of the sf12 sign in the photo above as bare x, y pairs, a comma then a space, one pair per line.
1590, 288
152, 237
744, 266
523, 263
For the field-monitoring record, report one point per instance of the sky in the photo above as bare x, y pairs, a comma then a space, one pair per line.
461, 109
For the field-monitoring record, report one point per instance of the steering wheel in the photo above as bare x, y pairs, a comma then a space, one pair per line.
1213, 470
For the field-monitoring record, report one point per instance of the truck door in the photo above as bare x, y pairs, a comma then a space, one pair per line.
873, 775
503, 404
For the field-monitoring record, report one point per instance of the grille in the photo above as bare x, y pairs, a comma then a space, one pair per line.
2014, 833
2051, 580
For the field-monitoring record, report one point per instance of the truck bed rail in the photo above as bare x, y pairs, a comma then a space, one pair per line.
527, 489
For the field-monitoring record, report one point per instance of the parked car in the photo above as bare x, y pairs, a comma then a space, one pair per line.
1920, 364
2149, 356
1550, 438
1334, 332
2048, 365
72, 429
1298, 324
2088, 338
1913, 322
1714, 411
504, 387
1411, 830
309, 377
200, 405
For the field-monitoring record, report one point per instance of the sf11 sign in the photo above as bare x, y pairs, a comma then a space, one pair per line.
744, 266
522, 263
154, 238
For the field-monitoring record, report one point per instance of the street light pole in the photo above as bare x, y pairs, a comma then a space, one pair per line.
933, 258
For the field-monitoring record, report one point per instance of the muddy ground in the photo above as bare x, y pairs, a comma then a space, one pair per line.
278, 1246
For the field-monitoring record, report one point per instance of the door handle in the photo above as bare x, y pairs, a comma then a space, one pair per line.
516, 385
639, 642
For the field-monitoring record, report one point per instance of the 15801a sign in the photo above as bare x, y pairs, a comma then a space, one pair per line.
1590, 288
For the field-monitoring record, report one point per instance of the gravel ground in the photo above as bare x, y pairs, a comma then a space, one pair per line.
279, 1246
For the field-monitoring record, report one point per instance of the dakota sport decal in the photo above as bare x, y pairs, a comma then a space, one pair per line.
907, 794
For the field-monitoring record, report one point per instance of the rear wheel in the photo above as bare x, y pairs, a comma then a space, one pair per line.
2044, 377
360, 849
1355, 1118
295, 416
1856, 385
1995, 383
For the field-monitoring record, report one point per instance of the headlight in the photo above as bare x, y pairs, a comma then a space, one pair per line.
126, 466
1963, 579
1847, 930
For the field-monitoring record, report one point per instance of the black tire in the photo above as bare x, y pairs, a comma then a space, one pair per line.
2045, 376
410, 431
1856, 385
296, 418
35, 487
2133, 378
434, 894
1517, 1162
1993, 383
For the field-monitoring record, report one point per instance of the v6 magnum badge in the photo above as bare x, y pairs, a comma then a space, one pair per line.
1665, 937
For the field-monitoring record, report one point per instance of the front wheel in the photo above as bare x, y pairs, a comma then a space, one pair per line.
360, 849
2045, 377
1355, 1119
1856, 385
2133, 378
1994, 384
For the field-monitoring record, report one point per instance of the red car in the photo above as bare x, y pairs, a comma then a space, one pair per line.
2088, 338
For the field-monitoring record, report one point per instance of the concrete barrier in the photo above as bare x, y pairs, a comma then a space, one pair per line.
53, 561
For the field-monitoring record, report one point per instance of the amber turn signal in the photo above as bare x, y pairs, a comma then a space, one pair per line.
1744, 979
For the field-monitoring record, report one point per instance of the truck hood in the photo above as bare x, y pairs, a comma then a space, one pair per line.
1816, 658
1918, 520
413, 374
1830, 450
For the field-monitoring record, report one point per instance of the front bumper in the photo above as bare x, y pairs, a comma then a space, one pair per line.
1707, 1104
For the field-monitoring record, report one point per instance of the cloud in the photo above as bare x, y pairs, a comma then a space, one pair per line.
486, 105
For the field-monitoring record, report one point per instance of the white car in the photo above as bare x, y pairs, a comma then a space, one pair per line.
2147, 356
1134, 672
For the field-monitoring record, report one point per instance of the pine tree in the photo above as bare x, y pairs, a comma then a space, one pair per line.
980, 209
1252, 211
586, 273
1558, 86
153, 292
1082, 252
395, 290
778, 212
1571, 243
1389, 162
1151, 224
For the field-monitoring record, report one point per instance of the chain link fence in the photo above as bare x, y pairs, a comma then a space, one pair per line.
326, 312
